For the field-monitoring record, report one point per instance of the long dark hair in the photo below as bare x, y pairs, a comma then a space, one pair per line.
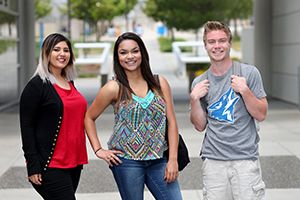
145, 65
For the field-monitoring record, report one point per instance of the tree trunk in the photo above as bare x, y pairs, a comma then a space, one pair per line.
235, 28
197, 34
98, 32
9, 29
197, 38
172, 34
83, 28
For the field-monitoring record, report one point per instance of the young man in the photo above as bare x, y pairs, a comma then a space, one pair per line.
226, 100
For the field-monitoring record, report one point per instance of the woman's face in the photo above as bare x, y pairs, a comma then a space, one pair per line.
59, 56
129, 55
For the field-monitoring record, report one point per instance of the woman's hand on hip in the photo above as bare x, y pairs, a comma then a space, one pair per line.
35, 179
110, 156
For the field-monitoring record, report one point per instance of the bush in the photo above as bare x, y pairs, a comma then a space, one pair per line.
5, 44
236, 43
165, 44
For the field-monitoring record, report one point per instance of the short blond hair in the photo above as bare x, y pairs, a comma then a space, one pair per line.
214, 26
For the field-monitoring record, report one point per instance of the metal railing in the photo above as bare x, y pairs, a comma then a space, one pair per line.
198, 55
99, 57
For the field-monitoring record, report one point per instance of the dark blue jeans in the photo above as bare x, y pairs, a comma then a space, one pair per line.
59, 184
131, 177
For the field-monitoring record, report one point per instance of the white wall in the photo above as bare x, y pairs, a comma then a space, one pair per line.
285, 50
247, 45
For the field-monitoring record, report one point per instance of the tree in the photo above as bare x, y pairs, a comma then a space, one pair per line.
185, 14
100, 10
238, 9
42, 8
125, 7
8, 19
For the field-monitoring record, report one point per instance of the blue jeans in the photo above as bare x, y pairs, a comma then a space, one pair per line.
131, 177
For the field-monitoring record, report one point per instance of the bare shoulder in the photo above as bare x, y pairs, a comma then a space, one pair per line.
163, 82
111, 88
112, 85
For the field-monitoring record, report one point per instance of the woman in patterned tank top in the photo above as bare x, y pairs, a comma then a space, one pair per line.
143, 105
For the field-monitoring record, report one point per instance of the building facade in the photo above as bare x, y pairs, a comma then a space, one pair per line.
277, 47
16, 48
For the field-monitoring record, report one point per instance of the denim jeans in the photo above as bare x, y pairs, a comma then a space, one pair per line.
131, 177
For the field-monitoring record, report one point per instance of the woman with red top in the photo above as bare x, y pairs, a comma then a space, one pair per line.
52, 123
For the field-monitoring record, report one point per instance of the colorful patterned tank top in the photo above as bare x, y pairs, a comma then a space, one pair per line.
140, 127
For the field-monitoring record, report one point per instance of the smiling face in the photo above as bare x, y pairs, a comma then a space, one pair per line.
59, 56
217, 45
129, 55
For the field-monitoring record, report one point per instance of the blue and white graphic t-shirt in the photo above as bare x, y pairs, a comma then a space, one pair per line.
231, 132
222, 109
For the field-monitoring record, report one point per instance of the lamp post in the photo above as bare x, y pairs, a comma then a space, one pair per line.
69, 19
126, 15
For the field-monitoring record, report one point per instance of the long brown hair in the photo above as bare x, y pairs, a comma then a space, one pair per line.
145, 65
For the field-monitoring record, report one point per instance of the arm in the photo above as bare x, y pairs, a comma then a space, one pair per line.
29, 107
171, 172
106, 95
255, 106
198, 116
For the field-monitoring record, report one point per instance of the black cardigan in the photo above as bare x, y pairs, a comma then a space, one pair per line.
41, 112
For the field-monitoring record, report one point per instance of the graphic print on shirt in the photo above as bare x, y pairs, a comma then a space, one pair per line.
222, 110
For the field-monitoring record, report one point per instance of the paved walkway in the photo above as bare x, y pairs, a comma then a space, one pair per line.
279, 145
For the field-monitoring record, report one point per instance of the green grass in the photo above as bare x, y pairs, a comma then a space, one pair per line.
5, 44
165, 44
236, 43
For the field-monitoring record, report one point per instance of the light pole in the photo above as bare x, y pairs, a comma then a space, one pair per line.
69, 19
126, 15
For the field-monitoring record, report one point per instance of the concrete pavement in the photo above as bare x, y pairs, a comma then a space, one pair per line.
279, 145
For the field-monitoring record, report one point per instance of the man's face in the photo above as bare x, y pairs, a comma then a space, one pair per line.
217, 45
